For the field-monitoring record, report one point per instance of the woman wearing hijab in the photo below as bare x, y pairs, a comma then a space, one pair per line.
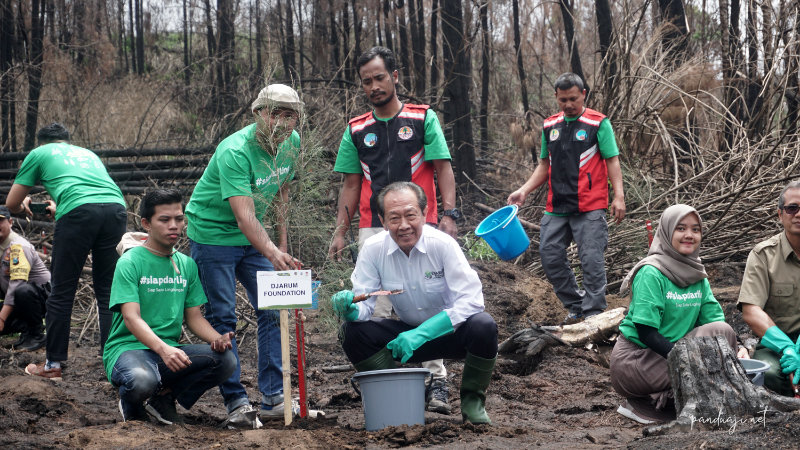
671, 299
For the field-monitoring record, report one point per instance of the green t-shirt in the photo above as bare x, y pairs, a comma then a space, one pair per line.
605, 140
239, 167
73, 176
435, 145
162, 294
673, 310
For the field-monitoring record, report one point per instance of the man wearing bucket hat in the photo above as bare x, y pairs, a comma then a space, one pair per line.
247, 174
393, 142
440, 303
770, 299
579, 154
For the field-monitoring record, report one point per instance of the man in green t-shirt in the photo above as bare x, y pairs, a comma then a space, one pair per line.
154, 289
90, 217
579, 155
248, 172
393, 142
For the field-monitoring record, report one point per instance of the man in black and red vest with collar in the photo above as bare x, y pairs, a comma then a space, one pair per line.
579, 155
393, 142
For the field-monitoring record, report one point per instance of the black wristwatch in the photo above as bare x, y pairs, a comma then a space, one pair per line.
454, 213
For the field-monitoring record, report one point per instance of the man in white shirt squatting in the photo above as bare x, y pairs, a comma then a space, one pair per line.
440, 309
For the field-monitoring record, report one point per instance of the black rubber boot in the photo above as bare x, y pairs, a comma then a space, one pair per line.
379, 361
474, 381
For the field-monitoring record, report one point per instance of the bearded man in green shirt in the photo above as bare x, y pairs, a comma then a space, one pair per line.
247, 173
90, 217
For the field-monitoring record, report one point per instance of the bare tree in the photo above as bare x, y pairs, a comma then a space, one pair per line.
567, 15
675, 37
7, 85
458, 72
523, 85
434, 47
35, 58
605, 33
484, 109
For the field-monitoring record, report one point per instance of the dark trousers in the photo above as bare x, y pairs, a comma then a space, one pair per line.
478, 336
29, 308
96, 228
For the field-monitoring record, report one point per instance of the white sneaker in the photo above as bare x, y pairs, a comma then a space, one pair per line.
277, 411
627, 411
244, 416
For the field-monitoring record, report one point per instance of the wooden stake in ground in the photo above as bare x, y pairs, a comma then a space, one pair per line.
712, 390
287, 368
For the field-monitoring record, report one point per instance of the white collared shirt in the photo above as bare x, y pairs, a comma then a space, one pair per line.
435, 277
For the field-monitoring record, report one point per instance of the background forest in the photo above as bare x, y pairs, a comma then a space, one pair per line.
703, 94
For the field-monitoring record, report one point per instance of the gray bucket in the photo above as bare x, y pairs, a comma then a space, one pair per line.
755, 370
392, 397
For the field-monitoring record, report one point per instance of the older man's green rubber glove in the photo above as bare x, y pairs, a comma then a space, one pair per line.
343, 306
776, 340
404, 345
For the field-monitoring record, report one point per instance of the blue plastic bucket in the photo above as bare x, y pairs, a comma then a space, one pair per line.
503, 232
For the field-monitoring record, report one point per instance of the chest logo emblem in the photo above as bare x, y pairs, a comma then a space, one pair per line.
553, 135
581, 135
370, 139
405, 133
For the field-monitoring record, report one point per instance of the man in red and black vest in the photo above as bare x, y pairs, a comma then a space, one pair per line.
393, 142
579, 154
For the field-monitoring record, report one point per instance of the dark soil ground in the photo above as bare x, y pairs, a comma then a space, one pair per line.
566, 402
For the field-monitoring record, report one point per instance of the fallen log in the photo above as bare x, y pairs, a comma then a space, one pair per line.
597, 328
712, 391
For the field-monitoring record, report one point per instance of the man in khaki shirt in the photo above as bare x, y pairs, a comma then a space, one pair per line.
770, 294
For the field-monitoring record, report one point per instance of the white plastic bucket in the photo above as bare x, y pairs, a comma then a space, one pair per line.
755, 370
392, 397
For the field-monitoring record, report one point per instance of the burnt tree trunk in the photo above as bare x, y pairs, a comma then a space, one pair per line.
675, 37
434, 49
523, 88
35, 58
458, 70
484, 108
402, 31
568, 15
708, 383
605, 33
7, 38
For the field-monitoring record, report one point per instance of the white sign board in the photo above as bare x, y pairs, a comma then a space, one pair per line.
286, 289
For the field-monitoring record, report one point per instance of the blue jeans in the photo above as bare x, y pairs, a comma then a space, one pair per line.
140, 374
219, 267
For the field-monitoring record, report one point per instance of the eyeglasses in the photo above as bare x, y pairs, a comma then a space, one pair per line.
791, 209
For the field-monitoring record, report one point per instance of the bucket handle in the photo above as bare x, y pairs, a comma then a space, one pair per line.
511, 219
353, 383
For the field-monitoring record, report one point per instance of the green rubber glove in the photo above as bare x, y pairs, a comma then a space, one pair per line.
790, 363
405, 343
776, 340
343, 306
